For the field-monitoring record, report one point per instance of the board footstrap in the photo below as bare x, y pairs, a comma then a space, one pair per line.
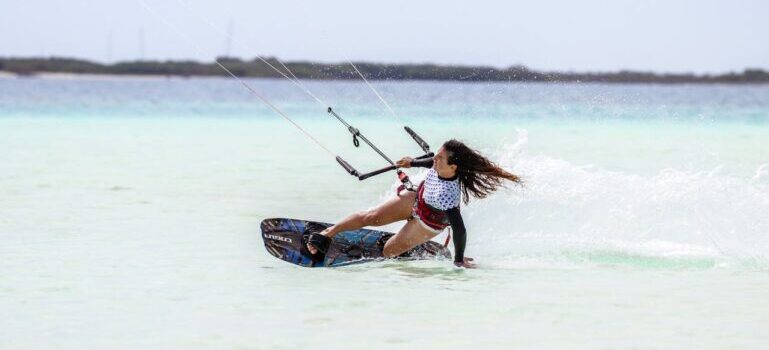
319, 241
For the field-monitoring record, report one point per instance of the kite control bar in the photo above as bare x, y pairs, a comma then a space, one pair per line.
388, 168
401, 175
362, 177
356, 135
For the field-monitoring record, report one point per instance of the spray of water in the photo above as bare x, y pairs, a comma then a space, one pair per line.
584, 214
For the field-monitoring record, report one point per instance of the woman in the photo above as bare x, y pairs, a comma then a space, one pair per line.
456, 171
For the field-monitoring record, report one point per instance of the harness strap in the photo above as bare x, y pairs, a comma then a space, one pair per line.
431, 217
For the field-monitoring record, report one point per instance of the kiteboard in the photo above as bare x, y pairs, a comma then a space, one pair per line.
286, 239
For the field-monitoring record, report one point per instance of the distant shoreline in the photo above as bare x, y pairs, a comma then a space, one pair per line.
69, 68
90, 76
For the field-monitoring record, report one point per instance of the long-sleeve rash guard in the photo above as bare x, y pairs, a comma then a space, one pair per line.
446, 197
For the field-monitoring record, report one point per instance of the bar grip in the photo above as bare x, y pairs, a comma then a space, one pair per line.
425, 147
347, 167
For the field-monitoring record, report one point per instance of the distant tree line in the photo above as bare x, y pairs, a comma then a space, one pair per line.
374, 71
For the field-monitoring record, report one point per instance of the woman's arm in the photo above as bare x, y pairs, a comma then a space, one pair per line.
460, 238
423, 163
408, 162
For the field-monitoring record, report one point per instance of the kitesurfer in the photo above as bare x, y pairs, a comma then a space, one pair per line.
456, 173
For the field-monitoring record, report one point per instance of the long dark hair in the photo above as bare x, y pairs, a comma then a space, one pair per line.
477, 175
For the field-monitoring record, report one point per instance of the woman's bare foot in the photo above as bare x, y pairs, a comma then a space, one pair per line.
311, 248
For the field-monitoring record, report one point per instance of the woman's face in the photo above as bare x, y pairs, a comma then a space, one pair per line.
441, 164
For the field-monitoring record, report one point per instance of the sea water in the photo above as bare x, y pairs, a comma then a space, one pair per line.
130, 211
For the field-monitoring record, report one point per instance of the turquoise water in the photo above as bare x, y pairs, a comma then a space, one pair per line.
129, 210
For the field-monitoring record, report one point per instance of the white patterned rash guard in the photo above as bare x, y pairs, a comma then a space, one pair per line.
441, 194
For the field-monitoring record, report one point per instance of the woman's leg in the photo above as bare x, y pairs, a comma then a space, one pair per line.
410, 236
395, 209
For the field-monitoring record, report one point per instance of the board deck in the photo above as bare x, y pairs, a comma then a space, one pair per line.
286, 238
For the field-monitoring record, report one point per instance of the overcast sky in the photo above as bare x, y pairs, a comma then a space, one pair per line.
585, 35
